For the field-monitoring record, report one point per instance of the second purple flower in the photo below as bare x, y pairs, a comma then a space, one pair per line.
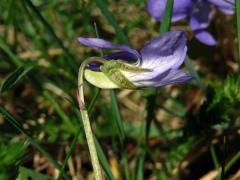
199, 13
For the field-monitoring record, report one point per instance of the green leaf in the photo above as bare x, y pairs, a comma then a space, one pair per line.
165, 25
25, 173
16, 76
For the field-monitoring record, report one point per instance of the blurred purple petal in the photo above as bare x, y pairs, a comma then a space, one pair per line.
102, 44
205, 37
181, 9
201, 16
225, 7
164, 52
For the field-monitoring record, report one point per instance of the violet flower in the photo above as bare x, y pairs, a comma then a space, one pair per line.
199, 13
157, 64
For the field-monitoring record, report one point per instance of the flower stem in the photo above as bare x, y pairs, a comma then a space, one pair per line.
91, 146
85, 120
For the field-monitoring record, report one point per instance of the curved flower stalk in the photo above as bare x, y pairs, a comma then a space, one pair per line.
86, 123
157, 64
199, 13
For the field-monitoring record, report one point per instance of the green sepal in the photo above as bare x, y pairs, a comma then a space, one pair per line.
113, 70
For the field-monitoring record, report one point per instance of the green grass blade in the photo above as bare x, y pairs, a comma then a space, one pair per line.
97, 34
17, 75
166, 22
117, 116
8, 51
17, 125
232, 161
95, 96
214, 157
151, 94
103, 160
29, 173
140, 167
215, 160
223, 164
126, 165
120, 129
120, 34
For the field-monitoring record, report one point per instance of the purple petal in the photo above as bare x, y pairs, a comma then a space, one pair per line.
122, 55
201, 16
181, 9
205, 37
170, 77
225, 7
102, 44
165, 52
